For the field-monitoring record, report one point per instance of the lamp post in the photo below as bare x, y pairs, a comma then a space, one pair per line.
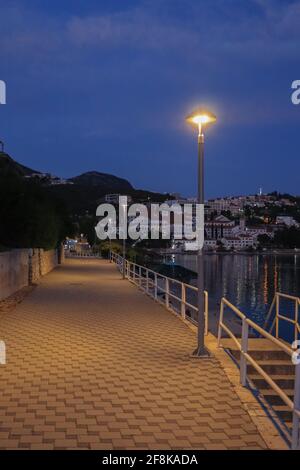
199, 119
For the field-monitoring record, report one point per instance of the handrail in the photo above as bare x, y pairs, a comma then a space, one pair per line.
278, 316
81, 254
270, 313
270, 337
160, 285
242, 346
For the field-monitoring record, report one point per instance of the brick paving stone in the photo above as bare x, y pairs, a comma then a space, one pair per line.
93, 363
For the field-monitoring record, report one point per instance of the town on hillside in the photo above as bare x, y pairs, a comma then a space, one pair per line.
238, 223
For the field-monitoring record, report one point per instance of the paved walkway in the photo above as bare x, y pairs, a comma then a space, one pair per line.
94, 363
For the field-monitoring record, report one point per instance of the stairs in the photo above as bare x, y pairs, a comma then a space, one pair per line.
279, 367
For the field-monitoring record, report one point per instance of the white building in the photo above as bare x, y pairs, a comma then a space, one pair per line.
286, 220
239, 243
219, 205
114, 198
219, 227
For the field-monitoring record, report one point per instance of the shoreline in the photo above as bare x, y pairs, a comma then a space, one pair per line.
240, 252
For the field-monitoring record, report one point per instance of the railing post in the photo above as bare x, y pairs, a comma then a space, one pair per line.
206, 311
243, 361
128, 270
167, 289
277, 319
296, 320
155, 286
296, 420
140, 276
183, 300
220, 323
147, 281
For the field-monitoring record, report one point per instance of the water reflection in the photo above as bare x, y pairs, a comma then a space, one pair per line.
248, 281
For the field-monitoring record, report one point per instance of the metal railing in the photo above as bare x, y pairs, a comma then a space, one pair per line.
173, 294
245, 358
81, 254
279, 316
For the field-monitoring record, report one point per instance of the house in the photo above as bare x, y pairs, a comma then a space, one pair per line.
239, 243
286, 220
114, 198
219, 228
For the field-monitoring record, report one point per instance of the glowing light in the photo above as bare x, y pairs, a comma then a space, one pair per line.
201, 117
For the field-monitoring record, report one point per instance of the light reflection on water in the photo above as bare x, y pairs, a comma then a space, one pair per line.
248, 281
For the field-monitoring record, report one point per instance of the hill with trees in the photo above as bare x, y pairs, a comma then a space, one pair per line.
40, 210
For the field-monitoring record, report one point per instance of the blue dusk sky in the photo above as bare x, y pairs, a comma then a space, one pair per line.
105, 85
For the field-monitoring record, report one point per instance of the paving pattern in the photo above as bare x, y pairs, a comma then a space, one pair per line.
93, 363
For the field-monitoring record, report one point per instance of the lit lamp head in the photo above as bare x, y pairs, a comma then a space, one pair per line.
200, 118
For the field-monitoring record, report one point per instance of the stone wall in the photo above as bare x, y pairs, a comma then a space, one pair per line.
48, 261
20, 268
34, 269
13, 272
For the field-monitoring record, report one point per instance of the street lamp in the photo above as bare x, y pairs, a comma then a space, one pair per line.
199, 119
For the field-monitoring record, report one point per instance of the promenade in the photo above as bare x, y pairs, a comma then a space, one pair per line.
93, 363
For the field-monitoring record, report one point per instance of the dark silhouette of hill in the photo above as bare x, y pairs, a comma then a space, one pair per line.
79, 194
105, 181
8, 164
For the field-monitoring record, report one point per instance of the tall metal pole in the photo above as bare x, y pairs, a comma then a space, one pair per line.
201, 350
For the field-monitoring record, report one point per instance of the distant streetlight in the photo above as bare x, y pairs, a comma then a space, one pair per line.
199, 119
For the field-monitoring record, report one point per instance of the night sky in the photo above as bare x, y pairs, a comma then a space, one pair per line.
105, 85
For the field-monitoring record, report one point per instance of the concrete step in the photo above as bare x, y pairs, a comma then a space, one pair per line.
283, 367
277, 364
272, 396
289, 424
284, 412
260, 355
285, 381
258, 348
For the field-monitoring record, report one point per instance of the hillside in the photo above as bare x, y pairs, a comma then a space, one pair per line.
8, 164
102, 180
79, 194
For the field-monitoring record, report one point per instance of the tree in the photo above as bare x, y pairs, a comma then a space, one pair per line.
29, 217
264, 240
288, 238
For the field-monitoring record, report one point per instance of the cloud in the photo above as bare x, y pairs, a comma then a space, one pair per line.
162, 53
262, 30
228, 27
138, 29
